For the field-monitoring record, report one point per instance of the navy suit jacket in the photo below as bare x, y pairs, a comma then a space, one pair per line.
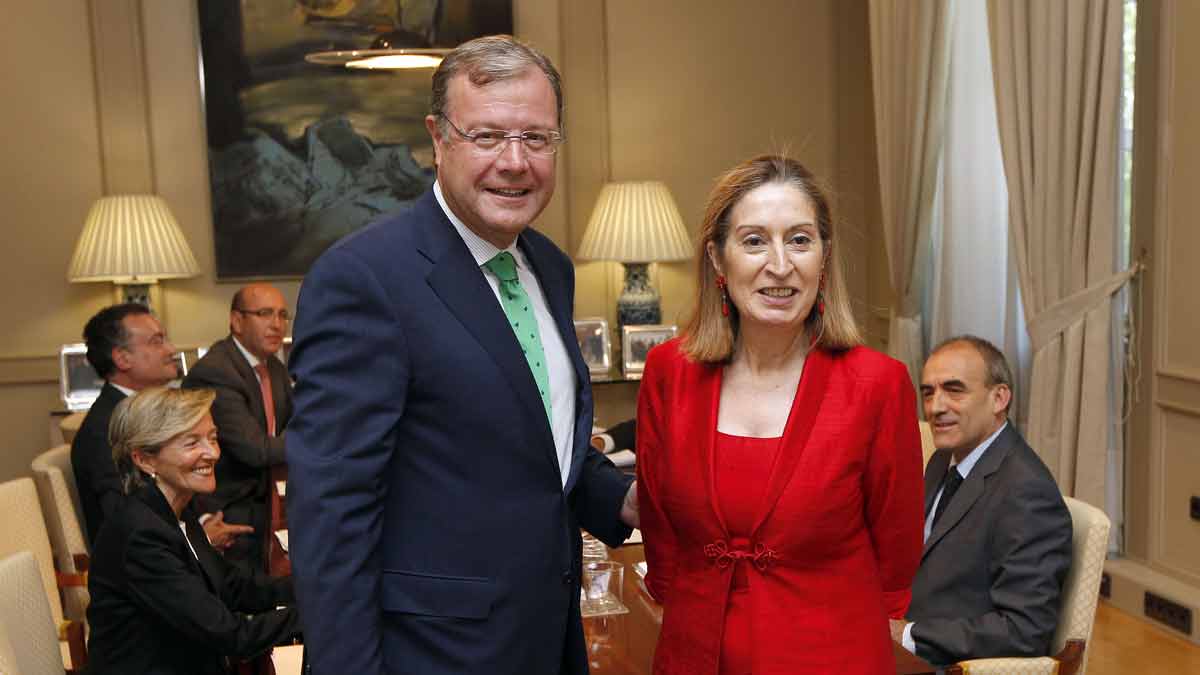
430, 530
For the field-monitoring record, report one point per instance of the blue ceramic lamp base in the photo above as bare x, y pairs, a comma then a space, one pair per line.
639, 302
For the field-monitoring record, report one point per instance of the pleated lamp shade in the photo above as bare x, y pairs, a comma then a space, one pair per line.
131, 239
635, 222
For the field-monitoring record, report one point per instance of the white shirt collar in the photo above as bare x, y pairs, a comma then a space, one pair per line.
481, 249
969, 462
252, 359
124, 390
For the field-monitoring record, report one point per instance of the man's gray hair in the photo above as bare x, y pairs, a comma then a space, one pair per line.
491, 59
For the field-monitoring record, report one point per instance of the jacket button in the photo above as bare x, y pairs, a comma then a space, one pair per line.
568, 578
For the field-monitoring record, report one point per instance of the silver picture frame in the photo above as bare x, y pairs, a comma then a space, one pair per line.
595, 345
636, 343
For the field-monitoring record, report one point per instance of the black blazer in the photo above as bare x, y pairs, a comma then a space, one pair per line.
91, 459
241, 419
992, 570
157, 608
438, 536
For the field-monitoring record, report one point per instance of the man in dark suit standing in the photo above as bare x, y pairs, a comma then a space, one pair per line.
439, 459
997, 532
129, 350
251, 411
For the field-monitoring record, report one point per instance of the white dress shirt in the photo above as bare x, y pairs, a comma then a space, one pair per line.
561, 372
250, 358
964, 468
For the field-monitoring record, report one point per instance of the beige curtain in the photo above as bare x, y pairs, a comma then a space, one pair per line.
910, 57
1057, 74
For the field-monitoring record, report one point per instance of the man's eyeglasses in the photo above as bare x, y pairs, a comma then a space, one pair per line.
492, 141
266, 313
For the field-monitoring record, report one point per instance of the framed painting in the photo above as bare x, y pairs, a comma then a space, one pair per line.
301, 154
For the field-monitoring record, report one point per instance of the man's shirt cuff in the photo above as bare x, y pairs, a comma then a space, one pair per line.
906, 640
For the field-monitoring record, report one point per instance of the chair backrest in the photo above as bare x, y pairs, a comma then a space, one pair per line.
28, 637
69, 426
55, 481
927, 448
25, 530
1081, 589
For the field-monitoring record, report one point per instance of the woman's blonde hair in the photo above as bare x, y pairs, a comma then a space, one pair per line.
710, 336
148, 421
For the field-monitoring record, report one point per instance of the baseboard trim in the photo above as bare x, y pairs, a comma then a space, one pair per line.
1130, 580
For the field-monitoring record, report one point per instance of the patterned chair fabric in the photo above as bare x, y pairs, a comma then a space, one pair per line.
24, 529
1081, 592
55, 481
927, 447
28, 639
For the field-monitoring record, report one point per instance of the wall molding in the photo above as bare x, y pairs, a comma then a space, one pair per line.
1185, 374
27, 369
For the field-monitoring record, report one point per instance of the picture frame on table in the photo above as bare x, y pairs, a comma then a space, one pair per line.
594, 344
636, 343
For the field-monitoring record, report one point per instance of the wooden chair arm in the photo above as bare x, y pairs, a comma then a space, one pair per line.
71, 632
1070, 659
70, 580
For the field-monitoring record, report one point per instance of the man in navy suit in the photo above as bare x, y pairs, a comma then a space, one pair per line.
438, 455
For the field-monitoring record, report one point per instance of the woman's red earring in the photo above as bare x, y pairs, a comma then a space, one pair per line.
724, 295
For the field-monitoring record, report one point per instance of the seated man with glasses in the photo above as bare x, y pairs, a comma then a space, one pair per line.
251, 411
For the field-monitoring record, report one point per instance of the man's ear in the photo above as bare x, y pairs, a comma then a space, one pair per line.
121, 359
435, 134
1001, 397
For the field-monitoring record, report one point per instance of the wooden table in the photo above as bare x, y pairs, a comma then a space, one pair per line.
624, 644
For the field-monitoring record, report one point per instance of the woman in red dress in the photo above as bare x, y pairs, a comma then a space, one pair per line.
779, 462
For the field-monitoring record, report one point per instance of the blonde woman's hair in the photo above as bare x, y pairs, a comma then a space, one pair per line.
148, 421
710, 336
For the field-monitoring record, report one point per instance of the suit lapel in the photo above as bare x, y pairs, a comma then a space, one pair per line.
805, 407
249, 379
459, 283
558, 299
972, 488
938, 465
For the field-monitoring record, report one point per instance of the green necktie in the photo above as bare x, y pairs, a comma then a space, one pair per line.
524, 324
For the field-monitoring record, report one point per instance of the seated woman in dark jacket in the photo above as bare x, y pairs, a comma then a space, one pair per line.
163, 600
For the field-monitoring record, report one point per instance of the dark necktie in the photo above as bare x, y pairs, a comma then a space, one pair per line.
949, 486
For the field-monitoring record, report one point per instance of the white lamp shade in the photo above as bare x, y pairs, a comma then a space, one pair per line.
131, 239
635, 222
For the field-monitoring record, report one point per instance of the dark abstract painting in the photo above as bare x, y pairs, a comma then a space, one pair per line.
302, 154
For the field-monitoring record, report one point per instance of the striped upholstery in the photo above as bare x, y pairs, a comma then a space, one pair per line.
55, 481
927, 447
28, 639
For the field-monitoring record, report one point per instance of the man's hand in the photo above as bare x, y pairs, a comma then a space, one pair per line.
629, 507
222, 534
897, 627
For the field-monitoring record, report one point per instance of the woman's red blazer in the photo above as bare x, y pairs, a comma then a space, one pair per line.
838, 538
